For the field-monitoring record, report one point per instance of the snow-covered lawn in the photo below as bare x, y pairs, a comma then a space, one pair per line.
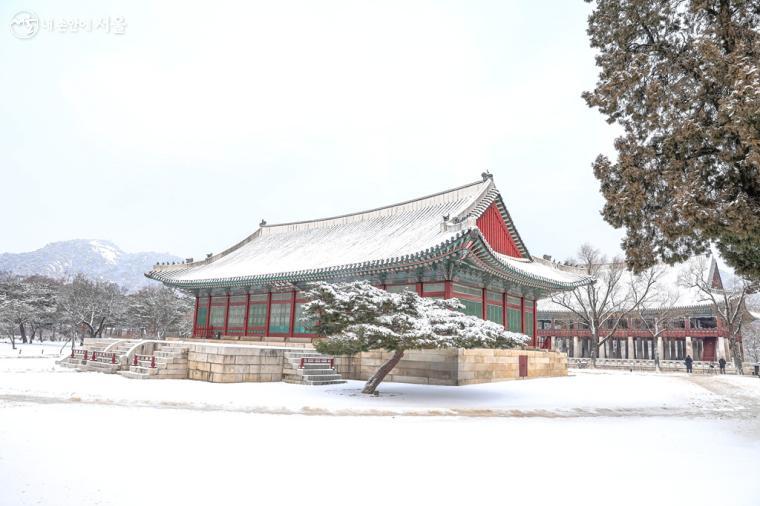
581, 394
591, 438
36, 349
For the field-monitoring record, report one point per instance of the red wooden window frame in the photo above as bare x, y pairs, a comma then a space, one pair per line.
518, 306
217, 301
199, 329
299, 299
498, 300
237, 301
277, 299
434, 289
460, 295
412, 287
255, 300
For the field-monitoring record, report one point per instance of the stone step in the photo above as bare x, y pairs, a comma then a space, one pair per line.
169, 354
297, 365
135, 375
324, 377
143, 370
330, 382
316, 372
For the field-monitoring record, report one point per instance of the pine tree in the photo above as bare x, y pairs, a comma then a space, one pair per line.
355, 317
682, 77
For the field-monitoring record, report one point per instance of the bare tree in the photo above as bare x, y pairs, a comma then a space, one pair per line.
91, 304
728, 302
158, 309
615, 293
657, 309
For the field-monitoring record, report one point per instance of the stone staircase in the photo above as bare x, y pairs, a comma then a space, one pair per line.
168, 361
307, 367
109, 356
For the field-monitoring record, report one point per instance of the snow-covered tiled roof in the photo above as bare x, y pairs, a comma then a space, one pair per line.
381, 236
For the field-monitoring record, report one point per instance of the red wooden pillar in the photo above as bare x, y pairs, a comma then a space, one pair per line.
269, 311
227, 314
535, 322
247, 310
504, 319
522, 314
208, 315
447, 289
293, 314
419, 288
195, 315
484, 309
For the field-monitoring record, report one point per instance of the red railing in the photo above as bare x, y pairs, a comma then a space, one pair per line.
86, 355
315, 360
144, 358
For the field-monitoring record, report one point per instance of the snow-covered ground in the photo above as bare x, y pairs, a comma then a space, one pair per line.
591, 438
36, 349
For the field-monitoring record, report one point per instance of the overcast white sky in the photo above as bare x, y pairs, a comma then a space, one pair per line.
183, 133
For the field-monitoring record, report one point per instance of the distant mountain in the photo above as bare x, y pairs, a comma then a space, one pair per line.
96, 259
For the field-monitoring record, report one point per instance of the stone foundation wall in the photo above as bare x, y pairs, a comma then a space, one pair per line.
236, 363
225, 363
454, 366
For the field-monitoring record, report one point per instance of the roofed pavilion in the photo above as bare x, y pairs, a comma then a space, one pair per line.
457, 243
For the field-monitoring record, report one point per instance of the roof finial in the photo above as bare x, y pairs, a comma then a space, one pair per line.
263, 223
486, 175
446, 217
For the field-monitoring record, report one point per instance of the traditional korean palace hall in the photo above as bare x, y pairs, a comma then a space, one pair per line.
457, 243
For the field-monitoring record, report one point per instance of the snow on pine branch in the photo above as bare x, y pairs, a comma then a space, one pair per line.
357, 316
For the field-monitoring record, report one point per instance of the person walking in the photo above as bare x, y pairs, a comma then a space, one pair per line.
688, 363
722, 364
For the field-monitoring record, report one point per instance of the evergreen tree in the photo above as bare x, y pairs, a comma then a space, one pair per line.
355, 317
682, 77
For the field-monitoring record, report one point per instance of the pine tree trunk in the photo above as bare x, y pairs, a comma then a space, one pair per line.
380, 374
23, 332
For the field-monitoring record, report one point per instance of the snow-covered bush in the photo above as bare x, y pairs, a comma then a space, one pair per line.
356, 316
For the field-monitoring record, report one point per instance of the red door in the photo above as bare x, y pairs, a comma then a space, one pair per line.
523, 362
708, 353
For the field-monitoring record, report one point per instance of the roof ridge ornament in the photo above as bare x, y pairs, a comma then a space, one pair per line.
486, 175
263, 223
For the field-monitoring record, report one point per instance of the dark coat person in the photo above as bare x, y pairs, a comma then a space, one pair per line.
722, 364
688, 363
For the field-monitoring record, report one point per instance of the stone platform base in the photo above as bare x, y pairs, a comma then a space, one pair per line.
455, 366
229, 361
